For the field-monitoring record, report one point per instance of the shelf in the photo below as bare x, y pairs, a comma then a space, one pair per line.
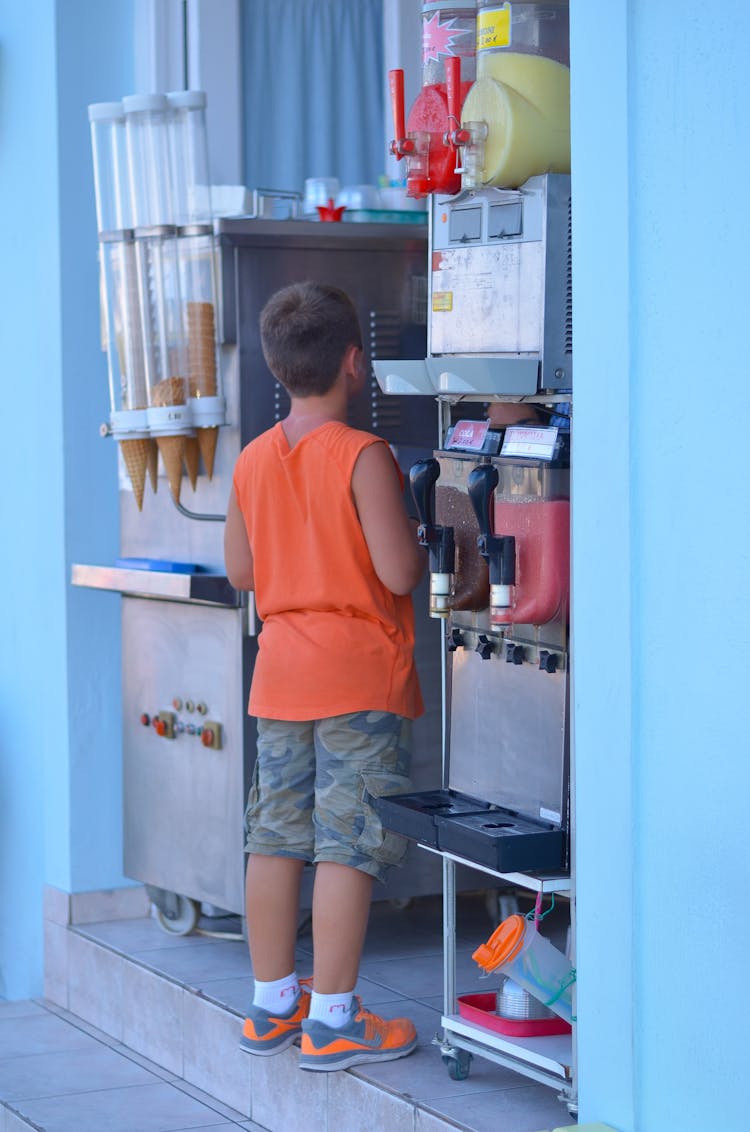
547, 1059
552, 883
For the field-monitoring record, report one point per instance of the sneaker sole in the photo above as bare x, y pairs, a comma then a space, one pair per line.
269, 1050
327, 1063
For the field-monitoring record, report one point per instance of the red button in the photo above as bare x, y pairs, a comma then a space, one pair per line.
207, 737
160, 727
145, 719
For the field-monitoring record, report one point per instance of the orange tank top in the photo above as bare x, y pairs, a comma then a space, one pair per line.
334, 639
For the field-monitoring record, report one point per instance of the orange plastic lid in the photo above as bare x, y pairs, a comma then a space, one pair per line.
502, 946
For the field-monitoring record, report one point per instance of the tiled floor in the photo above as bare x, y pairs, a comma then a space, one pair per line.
62, 1075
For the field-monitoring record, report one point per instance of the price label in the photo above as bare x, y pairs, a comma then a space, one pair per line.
469, 435
534, 443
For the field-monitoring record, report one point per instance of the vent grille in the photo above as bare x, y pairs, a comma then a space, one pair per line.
384, 333
569, 286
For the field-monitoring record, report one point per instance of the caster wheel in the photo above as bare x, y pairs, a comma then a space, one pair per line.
182, 920
401, 903
458, 1064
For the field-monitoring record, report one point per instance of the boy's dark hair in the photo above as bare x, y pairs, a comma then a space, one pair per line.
305, 330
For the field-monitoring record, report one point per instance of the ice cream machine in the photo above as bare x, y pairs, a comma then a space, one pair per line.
493, 500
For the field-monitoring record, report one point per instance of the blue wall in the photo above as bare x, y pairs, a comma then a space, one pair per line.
59, 662
661, 137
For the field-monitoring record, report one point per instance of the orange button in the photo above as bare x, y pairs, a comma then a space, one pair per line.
207, 737
160, 727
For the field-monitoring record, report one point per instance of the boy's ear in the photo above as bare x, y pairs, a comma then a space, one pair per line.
353, 366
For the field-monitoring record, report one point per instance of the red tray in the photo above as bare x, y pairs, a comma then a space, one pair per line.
480, 1008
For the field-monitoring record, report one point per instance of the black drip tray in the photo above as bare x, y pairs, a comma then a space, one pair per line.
416, 815
503, 841
467, 827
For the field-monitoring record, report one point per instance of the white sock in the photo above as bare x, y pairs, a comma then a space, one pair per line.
333, 1009
278, 995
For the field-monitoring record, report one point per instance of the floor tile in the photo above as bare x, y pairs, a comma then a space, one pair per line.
140, 1108
39, 1033
72, 1071
198, 964
529, 1108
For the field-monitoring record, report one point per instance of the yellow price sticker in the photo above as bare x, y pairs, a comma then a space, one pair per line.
442, 301
493, 28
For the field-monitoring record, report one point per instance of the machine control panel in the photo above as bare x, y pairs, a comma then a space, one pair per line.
169, 724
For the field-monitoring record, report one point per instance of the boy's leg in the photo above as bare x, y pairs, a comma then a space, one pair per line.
279, 841
357, 755
272, 886
341, 907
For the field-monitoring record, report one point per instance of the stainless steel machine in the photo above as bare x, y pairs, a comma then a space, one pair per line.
189, 640
494, 509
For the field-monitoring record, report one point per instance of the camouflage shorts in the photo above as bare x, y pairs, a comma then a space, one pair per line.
312, 785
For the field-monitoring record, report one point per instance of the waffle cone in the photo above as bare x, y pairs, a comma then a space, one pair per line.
192, 457
172, 449
135, 455
153, 464
207, 438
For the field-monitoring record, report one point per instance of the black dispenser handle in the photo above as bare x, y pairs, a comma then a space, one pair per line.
422, 478
423, 475
499, 552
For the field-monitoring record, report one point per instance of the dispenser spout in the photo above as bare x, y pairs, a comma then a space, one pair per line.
498, 551
439, 541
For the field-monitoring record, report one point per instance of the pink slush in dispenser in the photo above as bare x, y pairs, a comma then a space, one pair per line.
448, 68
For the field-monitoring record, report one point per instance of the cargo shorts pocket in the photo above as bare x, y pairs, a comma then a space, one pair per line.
375, 841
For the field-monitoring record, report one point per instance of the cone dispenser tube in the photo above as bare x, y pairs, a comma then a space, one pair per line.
448, 32
120, 310
149, 176
197, 257
169, 419
515, 119
107, 127
188, 147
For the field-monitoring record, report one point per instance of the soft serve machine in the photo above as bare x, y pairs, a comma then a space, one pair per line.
494, 499
181, 297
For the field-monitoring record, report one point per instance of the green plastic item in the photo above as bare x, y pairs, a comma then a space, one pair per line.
585, 1128
384, 216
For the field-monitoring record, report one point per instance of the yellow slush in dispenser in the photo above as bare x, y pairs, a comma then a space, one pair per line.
516, 117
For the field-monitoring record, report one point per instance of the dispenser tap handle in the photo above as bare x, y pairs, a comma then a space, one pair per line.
500, 552
453, 95
440, 540
422, 478
400, 144
481, 486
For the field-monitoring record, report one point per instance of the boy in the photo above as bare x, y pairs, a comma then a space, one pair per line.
316, 526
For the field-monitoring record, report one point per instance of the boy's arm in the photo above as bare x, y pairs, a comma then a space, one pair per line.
390, 534
238, 557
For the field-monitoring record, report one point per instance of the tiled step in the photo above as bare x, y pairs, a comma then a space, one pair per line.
179, 1001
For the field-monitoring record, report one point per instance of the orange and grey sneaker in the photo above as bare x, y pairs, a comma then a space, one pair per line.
365, 1037
265, 1033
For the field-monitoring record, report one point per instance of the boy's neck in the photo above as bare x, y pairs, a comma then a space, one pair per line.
308, 413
